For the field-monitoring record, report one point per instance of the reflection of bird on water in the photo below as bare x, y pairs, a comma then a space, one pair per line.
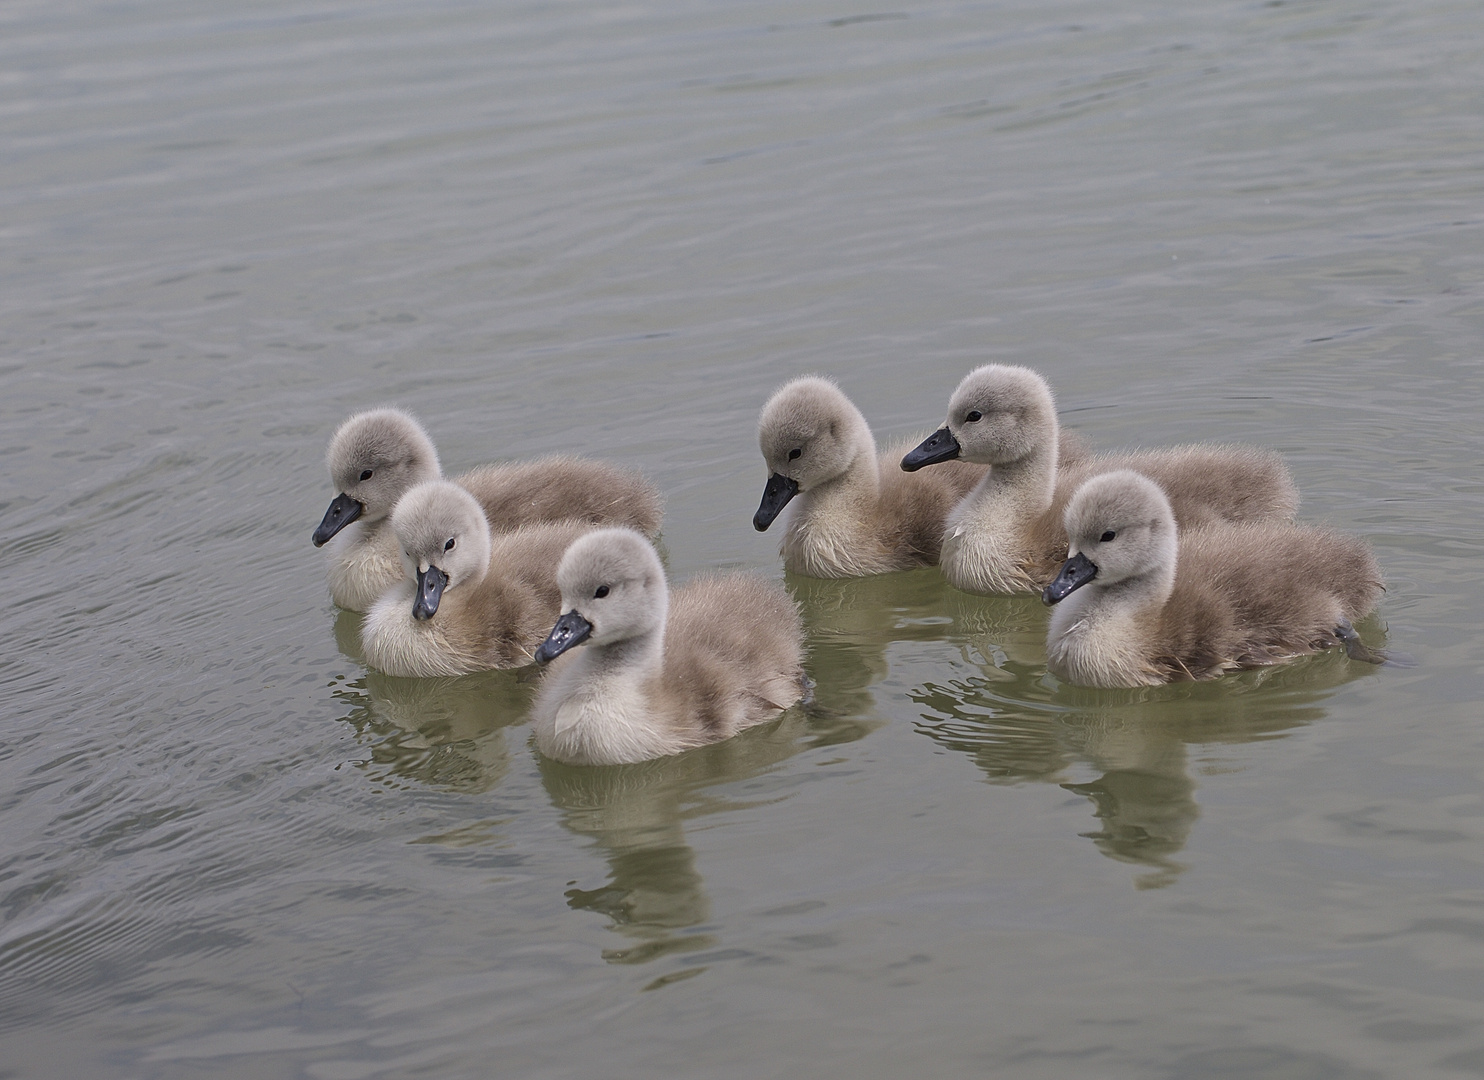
652, 893
851, 623
446, 733
637, 813
348, 635
1010, 730
1025, 729
1146, 816
1144, 798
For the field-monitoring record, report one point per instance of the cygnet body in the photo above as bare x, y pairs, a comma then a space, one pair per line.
467, 600
1007, 534
855, 513
657, 673
376, 456
1139, 603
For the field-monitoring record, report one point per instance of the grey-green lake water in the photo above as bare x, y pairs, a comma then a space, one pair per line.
230, 850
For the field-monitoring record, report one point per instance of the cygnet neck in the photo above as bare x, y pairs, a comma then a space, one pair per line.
858, 487
642, 654
1013, 492
1034, 475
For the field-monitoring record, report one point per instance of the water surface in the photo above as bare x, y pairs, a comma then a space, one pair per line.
232, 850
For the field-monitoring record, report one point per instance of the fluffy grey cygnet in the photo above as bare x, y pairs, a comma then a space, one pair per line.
1007, 535
467, 600
376, 456
1140, 603
655, 673
855, 512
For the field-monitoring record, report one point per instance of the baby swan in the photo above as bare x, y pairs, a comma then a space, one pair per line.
660, 674
468, 600
378, 455
856, 515
1007, 536
1139, 605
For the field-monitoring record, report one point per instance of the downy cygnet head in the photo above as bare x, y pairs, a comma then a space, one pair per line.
1119, 526
999, 414
613, 589
810, 433
374, 458
444, 540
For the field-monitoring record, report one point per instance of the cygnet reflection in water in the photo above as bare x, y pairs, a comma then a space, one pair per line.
853, 623
1134, 742
849, 624
636, 815
445, 733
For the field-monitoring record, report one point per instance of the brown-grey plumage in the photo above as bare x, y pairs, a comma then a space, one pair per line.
652, 673
1007, 535
493, 596
376, 456
855, 512
1139, 603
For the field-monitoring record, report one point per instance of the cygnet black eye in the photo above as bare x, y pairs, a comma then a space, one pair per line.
793, 455
366, 475
973, 416
1109, 535
448, 546
602, 592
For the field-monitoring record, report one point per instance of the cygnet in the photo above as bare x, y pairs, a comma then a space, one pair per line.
1139, 603
1006, 535
659, 674
855, 514
378, 455
468, 600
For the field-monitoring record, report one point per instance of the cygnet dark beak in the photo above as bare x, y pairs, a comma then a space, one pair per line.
571, 629
1075, 573
343, 510
779, 490
430, 585
939, 446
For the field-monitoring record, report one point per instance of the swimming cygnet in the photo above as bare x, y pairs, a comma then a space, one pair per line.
1007, 536
1139, 604
856, 514
468, 600
376, 456
660, 674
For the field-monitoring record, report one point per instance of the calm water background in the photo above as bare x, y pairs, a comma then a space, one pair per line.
231, 851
